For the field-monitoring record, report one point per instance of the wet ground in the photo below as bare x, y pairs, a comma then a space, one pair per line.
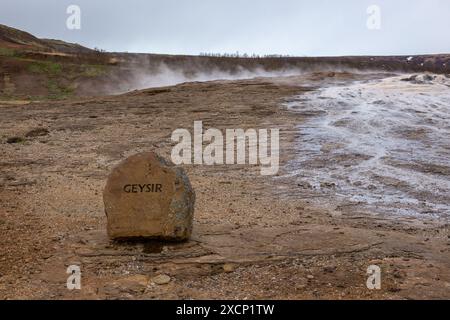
382, 146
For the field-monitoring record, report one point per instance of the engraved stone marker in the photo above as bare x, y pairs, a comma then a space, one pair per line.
148, 197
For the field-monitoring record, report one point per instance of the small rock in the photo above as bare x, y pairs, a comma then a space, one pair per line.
40, 132
327, 185
310, 277
161, 279
304, 185
13, 140
329, 269
228, 268
410, 79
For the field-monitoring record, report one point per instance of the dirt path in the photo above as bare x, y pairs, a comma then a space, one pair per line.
255, 237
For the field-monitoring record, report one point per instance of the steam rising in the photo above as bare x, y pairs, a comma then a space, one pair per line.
167, 76
164, 75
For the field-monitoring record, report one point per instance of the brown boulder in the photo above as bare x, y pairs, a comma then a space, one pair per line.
148, 197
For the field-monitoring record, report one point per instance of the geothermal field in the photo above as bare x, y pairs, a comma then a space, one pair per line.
363, 178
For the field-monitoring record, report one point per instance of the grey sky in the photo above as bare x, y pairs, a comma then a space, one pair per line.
295, 27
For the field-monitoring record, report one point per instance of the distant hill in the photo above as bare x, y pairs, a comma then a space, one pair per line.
66, 47
18, 39
14, 38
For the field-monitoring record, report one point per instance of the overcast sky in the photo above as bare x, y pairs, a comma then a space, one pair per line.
294, 27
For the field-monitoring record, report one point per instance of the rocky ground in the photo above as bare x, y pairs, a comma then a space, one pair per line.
254, 237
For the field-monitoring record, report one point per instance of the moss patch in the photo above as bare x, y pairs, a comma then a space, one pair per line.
57, 91
7, 52
45, 67
93, 70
